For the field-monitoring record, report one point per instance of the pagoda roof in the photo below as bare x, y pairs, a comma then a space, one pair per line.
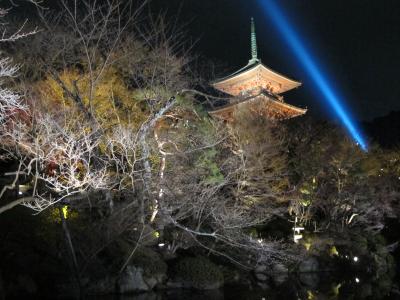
255, 75
263, 104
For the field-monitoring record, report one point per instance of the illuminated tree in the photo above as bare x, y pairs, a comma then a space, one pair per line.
217, 182
115, 121
339, 185
11, 104
111, 125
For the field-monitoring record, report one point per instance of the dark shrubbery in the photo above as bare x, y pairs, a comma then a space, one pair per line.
198, 272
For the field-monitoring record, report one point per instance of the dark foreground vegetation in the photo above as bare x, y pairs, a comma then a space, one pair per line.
116, 180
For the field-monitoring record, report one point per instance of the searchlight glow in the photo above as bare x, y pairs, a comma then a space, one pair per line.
305, 58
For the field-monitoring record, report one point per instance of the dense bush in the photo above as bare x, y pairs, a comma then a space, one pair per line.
199, 272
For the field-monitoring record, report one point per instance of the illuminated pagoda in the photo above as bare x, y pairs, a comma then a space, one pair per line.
257, 88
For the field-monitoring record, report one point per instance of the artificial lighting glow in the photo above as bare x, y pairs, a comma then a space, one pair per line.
23, 188
161, 245
304, 56
65, 211
357, 280
336, 289
297, 237
307, 245
310, 295
355, 258
333, 251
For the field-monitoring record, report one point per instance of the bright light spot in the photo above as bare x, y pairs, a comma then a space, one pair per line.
65, 211
161, 245
297, 237
357, 280
355, 258
336, 289
20, 193
310, 295
333, 251
307, 245
260, 241
347, 256
305, 58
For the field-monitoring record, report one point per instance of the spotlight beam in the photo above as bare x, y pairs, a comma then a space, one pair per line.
304, 56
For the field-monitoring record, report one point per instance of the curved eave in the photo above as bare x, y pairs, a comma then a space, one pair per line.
294, 110
275, 76
298, 110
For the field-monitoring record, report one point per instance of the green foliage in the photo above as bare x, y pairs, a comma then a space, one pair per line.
307, 191
207, 162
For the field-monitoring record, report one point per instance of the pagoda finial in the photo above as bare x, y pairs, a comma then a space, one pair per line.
254, 55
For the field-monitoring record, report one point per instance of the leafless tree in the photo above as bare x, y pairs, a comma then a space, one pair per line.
174, 167
217, 181
11, 103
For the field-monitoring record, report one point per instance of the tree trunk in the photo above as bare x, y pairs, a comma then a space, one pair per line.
71, 249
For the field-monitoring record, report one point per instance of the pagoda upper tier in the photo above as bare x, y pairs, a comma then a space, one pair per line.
257, 87
252, 79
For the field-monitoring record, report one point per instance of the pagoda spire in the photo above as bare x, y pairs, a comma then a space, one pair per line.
253, 39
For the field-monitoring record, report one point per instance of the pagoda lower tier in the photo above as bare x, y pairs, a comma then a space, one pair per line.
263, 104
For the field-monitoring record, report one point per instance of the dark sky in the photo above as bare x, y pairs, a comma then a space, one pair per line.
358, 42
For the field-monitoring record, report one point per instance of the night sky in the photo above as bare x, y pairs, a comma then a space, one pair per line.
357, 41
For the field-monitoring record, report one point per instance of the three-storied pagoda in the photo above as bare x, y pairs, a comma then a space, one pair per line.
257, 88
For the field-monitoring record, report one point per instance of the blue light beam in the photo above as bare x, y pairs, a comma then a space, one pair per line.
304, 56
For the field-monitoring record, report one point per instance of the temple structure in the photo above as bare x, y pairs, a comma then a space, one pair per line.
257, 88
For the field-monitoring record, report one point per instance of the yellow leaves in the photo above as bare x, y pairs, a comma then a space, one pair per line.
305, 202
107, 97
66, 212
305, 191
155, 161
51, 93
